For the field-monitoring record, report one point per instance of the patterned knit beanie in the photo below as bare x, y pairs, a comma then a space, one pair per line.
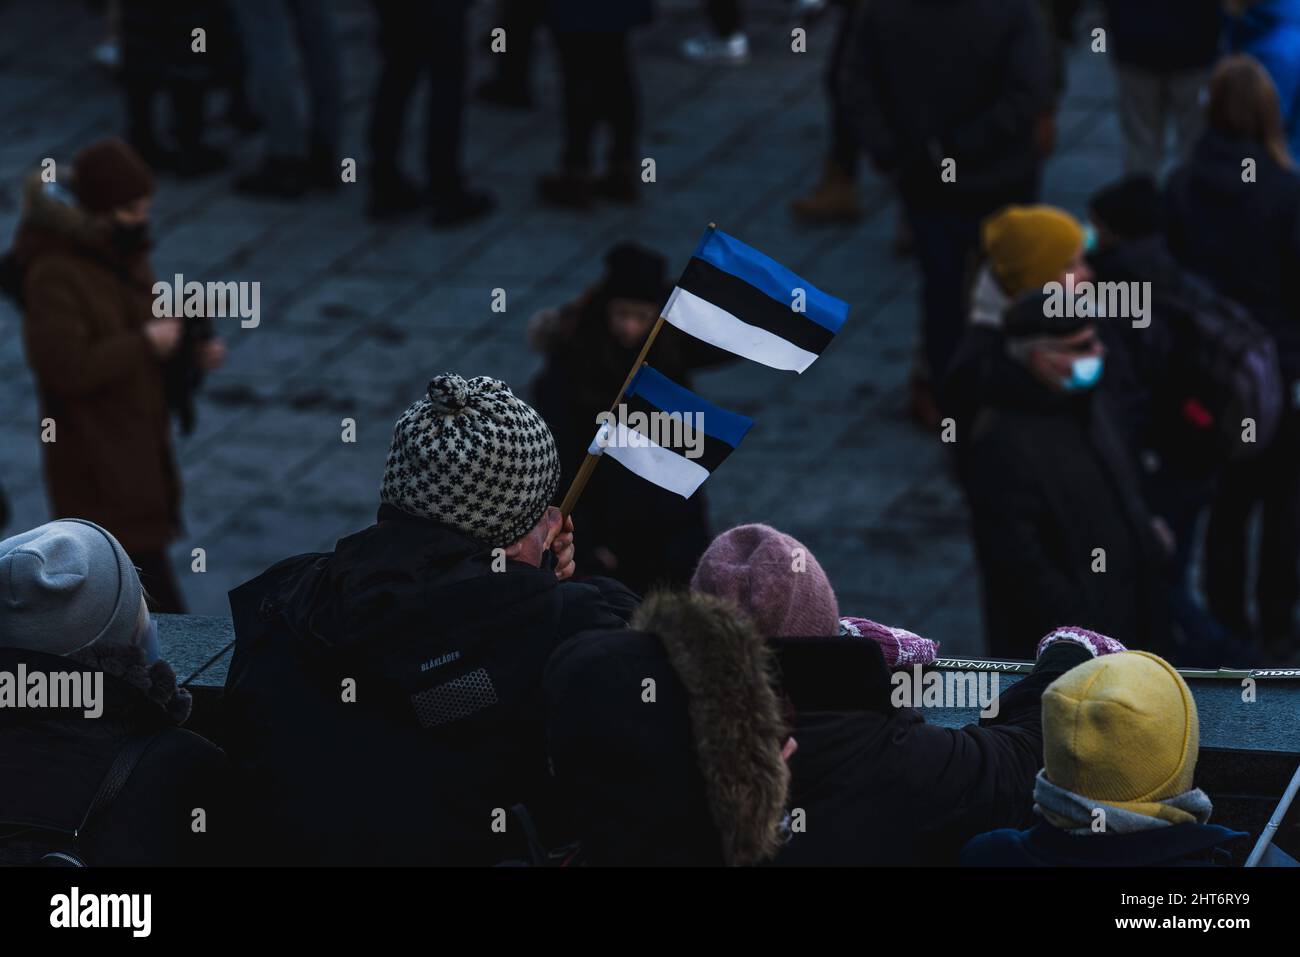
474, 457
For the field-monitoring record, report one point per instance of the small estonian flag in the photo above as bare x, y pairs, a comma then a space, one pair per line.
667, 434
734, 297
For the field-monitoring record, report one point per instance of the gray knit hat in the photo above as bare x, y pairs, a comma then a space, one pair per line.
472, 456
66, 585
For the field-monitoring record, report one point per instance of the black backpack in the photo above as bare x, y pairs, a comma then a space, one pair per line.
63, 848
1224, 369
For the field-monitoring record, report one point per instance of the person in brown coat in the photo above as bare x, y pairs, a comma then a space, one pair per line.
99, 355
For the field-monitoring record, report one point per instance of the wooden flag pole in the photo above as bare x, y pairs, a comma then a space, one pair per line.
589, 463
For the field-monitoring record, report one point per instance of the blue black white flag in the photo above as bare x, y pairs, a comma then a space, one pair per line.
734, 297
667, 434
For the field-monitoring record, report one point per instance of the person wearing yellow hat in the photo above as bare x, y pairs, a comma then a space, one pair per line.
1120, 742
1025, 248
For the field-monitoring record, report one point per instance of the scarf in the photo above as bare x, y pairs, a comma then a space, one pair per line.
1074, 813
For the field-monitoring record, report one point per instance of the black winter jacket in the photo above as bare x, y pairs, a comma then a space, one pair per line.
1049, 481
445, 727
1244, 237
924, 80
52, 764
878, 785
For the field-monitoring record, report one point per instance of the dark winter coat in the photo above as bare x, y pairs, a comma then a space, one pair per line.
925, 80
1243, 237
1179, 845
445, 656
1164, 36
659, 541
52, 764
85, 307
666, 739
1049, 480
880, 786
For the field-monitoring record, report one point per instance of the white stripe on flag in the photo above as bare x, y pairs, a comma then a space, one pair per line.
654, 463
702, 319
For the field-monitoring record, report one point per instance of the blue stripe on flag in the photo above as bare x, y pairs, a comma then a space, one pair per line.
665, 394
767, 275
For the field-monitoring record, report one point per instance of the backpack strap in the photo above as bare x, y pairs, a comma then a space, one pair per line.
115, 778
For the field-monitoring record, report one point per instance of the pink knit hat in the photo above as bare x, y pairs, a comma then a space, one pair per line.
771, 578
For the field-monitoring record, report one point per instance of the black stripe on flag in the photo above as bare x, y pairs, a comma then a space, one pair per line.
750, 305
712, 450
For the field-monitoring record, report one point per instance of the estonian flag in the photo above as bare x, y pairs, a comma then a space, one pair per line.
667, 434
735, 298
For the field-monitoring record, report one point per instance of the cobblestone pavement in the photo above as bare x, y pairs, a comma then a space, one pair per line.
355, 317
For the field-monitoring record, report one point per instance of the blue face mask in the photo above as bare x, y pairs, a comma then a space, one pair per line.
1084, 373
1089, 238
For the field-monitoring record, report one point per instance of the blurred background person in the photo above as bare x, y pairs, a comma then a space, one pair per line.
1163, 51
301, 153
1269, 30
415, 38
911, 118
157, 56
1179, 380
100, 357
1061, 532
589, 346
510, 83
598, 80
834, 198
1242, 233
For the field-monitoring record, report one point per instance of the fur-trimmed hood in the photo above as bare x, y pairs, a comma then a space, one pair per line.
667, 737
726, 667
51, 210
52, 222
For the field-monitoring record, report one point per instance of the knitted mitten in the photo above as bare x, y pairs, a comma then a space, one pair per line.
900, 647
1095, 644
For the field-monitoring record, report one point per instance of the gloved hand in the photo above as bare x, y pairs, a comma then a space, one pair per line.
1094, 643
900, 647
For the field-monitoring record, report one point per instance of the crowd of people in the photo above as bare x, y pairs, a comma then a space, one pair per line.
547, 719
619, 685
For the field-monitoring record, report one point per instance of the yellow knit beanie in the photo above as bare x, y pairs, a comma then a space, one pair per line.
1122, 730
1030, 246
